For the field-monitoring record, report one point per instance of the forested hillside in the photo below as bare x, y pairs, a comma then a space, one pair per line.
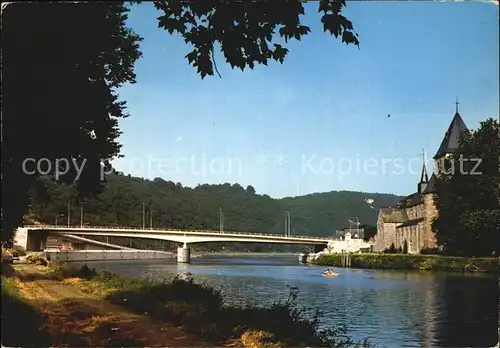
167, 204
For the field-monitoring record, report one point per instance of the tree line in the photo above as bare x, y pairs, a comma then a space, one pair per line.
138, 202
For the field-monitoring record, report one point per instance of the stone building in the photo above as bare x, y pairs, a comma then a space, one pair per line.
410, 222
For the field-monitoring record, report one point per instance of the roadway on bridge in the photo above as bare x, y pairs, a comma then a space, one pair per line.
182, 236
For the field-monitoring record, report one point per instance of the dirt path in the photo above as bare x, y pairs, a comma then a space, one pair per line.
74, 318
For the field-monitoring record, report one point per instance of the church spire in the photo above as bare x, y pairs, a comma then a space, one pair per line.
451, 138
424, 178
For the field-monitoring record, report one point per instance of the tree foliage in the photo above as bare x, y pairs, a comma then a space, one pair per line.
469, 191
405, 247
61, 64
248, 32
369, 231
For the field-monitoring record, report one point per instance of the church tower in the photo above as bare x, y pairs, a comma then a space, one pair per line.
451, 141
424, 180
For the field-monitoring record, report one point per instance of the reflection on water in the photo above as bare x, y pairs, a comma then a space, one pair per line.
470, 317
391, 308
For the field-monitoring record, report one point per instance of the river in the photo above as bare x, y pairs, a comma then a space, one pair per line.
390, 308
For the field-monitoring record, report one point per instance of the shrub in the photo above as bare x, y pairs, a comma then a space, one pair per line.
20, 250
430, 251
329, 260
256, 338
37, 260
391, 250
85, 272
6, 259
31, 258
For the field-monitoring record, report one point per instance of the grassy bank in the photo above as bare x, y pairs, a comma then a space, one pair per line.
194, 308
20, 320
415, 262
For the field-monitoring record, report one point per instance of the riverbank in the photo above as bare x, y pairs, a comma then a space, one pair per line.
62, 307
413, 262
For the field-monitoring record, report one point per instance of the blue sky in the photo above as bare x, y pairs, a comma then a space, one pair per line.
319, 122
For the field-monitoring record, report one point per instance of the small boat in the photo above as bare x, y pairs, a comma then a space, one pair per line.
330, 274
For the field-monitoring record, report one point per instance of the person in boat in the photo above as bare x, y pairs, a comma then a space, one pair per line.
329, 272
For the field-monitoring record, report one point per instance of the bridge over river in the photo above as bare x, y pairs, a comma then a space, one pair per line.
34, 237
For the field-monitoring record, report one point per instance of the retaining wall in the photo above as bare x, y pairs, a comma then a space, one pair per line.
102, 255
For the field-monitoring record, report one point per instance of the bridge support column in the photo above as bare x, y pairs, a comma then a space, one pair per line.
43, 242
184, 254
36, 240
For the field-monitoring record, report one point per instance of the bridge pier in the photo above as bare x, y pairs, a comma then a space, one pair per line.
34, 241
184, 254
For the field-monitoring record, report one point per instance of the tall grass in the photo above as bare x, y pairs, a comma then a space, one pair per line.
418, 262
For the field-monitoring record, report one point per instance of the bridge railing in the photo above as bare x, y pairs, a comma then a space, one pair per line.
160, 230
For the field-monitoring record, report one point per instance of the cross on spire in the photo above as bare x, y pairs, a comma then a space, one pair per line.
423, 155
423, 176
456, 105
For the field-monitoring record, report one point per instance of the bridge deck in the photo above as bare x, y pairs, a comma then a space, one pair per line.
213, 233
